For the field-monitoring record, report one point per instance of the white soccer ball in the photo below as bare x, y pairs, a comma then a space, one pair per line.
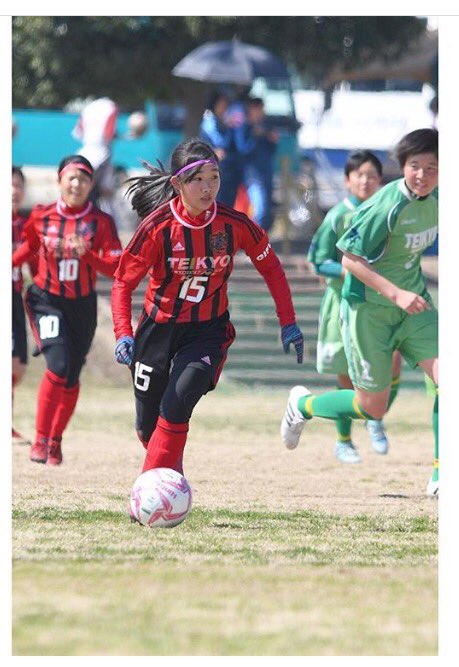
160, 498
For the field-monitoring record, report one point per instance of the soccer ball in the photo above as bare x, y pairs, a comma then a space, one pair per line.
160, 498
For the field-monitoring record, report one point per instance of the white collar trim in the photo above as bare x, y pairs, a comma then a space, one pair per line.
182, 221
72, 216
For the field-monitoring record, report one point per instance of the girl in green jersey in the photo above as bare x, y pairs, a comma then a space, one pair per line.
362, 177
385, 302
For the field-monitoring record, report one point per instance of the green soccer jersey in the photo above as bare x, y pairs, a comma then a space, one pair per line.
323, 245
391, 230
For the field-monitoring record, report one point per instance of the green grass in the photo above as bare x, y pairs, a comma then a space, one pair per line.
223, 583
284, 553
175, 608
262, 538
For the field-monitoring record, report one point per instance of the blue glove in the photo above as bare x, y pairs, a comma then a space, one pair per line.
290, 333
124, 350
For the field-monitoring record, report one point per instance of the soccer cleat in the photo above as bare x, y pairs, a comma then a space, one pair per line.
18, 438
432, 487
293, 421
347, 452
39, 451
54, 452
379, 441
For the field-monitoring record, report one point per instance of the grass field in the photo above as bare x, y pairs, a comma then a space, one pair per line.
284, 553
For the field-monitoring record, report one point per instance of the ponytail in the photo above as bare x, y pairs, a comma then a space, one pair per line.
155, 189
151, 191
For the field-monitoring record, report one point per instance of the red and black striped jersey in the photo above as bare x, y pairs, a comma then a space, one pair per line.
189, 261
61, 271
18, 226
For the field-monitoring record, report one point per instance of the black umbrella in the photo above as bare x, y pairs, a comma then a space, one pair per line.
230, 62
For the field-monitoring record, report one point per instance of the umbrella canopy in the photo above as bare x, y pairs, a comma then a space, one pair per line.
230, 62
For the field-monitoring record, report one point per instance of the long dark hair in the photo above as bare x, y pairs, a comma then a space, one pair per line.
151, 191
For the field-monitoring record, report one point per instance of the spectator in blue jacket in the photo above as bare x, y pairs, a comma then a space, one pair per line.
216, 131
257, 143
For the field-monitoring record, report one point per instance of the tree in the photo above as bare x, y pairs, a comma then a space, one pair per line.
130, 58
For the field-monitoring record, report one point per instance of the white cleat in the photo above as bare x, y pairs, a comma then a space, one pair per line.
347, 452
378, 437
293, 421
432, 487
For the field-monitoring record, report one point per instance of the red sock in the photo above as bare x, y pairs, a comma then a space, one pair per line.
64, 410
166, 445
49, 397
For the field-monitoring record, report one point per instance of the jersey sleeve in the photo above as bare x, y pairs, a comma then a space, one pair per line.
368, 234
255, 243
135, 262
107, 249
323, 244
27, 251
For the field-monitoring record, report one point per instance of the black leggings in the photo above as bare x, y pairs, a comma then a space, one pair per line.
174, 398
174, 365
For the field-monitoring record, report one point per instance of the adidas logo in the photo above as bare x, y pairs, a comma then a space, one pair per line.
206, 360
178, 246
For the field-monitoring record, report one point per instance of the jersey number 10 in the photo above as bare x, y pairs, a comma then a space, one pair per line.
68, 269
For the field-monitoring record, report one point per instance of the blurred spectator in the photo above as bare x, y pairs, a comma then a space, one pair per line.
137, 124
256, 142
96, 129
215, 131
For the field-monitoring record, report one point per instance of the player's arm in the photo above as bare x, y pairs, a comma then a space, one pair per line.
362, 244
361, 269
30, 244
323, 253
105, 255
134, 263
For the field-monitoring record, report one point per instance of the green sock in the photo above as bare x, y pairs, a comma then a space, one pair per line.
343, 426
394, 386
332, 405
435, 430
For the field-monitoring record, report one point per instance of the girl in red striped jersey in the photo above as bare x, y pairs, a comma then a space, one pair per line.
186, 242
74, 240
19, 348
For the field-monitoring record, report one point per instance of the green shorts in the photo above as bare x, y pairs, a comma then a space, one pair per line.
331, 357
372, 332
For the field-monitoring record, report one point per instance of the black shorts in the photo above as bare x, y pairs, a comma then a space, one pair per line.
162, 347
67, 324
174, 365
19, 328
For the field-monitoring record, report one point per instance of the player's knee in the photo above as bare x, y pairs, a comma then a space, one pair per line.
59, 367
57, 360
374, 411
178, 404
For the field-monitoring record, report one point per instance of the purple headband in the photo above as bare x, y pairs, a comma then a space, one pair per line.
194, 164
